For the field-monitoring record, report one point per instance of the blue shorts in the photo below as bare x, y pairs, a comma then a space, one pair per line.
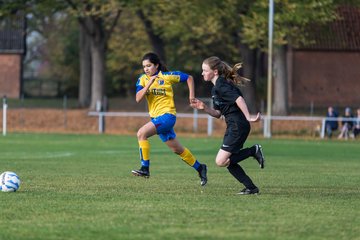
165, 126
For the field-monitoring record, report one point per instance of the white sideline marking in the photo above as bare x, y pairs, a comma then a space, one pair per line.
28, 155
23, 155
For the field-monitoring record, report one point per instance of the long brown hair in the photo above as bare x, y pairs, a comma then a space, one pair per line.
231, 74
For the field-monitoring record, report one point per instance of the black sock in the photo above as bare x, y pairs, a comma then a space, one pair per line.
144, 168
238, 173
242, 154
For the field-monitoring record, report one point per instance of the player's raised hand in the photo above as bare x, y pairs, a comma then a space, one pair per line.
152, 78
196, 103
255, 119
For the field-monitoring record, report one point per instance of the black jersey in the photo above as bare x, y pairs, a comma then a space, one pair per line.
224, 95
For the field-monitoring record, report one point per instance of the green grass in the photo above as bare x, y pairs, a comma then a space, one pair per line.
80, 187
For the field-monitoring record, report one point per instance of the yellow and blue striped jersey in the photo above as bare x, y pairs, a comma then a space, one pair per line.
160, 95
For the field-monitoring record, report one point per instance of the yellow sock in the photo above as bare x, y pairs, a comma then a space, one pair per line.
189, 158
144, 150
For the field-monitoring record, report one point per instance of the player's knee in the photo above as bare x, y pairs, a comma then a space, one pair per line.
221, 162
177, 150
141, 134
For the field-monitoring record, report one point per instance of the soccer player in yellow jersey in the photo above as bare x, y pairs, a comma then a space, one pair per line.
156, 86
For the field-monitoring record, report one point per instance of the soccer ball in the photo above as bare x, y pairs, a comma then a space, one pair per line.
9, 182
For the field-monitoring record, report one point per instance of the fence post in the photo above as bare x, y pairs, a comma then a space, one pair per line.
22, 106
99, 109
265, 126
4, 115
65, 110
101, 122
210, 125
322, 134
195, 124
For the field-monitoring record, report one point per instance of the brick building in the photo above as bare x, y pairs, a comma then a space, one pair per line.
327, 72
12, 51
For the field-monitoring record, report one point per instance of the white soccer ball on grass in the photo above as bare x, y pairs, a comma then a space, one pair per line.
9, 182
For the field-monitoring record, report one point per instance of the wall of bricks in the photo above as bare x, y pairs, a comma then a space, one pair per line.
10, 73
324, 78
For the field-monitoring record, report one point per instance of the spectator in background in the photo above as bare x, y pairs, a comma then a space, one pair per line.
347, 124
330, 124
357, 124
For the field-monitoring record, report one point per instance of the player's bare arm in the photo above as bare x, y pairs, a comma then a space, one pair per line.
191, 86
140, 94
243, 107
198, 104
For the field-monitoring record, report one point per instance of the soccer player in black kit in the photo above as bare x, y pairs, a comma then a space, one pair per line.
229, 102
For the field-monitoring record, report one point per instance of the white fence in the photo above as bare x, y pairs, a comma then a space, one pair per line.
4, 116
195, 115
266, 121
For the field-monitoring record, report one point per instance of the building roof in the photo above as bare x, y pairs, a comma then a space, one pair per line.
12, 34
342, 34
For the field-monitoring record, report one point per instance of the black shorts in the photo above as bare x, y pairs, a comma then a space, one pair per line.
236, 134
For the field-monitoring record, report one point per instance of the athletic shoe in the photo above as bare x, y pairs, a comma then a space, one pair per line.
247, 191
141, 173
259, 156
202, 175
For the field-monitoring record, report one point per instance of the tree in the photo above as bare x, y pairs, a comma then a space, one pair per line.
47, 44
155, 38
85, 66
291, 21
249, 56
98, 19
196, 30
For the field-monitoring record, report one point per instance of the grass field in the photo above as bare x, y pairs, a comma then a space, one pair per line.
80, 187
